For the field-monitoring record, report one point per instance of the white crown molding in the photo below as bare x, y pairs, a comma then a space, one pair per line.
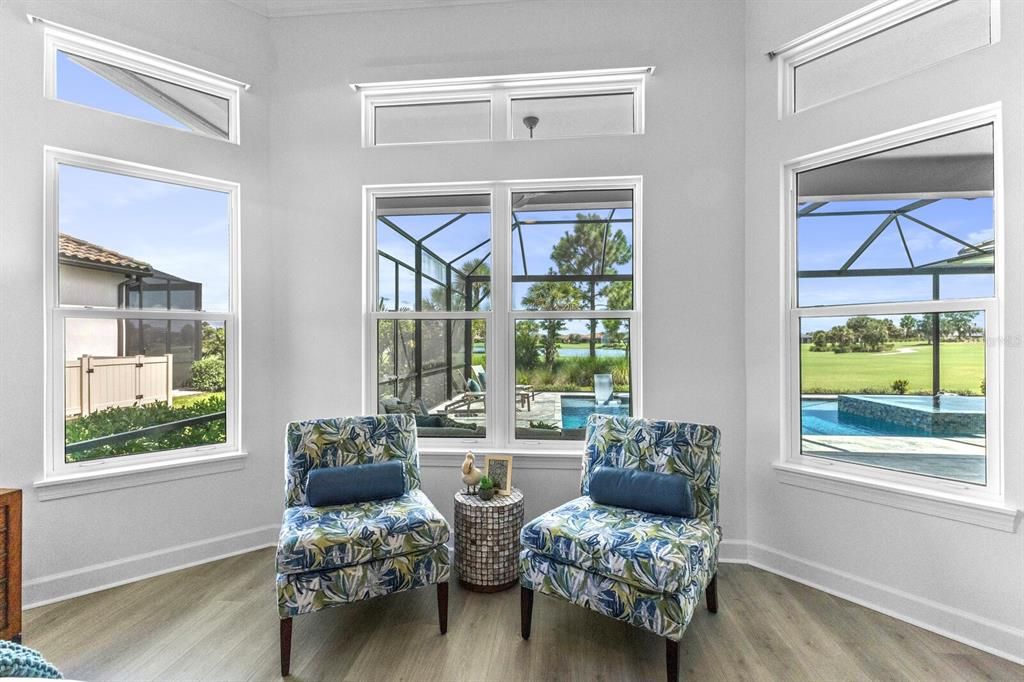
278, 9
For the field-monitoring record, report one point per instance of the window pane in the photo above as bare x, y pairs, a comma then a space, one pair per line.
572, 250
118, 404
858, 244
440, 122
437, 370
903, 392
567, 370
123, 237
603, 114
123, 91
443, 243
942, 33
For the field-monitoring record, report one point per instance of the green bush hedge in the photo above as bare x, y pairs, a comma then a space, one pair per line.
116, 420
208, 374
576, 374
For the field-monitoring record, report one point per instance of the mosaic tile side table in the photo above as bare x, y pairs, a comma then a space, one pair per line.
487, 540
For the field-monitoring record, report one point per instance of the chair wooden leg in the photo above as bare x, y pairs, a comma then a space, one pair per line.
526, 610
442, 606
672, 659
711, 593
286, 646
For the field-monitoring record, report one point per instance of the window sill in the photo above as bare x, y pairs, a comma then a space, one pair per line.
84, 483
522, 458
934, 503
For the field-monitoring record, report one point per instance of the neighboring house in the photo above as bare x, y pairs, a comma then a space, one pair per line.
94, 276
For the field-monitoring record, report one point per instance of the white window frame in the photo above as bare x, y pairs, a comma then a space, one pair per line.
912, 484
60, 38
56, 467
865, 22
500, 91
501, 318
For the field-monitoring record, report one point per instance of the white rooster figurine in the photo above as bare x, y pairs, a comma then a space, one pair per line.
470, 474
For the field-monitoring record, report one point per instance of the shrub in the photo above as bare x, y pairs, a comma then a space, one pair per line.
208, 374
900, 386
117, 420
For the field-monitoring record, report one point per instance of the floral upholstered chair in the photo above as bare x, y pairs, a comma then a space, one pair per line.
648, 570
334, 555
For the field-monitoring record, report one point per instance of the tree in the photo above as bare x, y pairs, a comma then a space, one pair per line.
526, 345
924, 328
591, 249
908, 325
214, 341
552, 296
819, 340
620, 297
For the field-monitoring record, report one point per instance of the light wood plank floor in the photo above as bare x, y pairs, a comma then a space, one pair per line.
219, 621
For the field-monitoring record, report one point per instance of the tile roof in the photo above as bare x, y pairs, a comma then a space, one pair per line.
75, 249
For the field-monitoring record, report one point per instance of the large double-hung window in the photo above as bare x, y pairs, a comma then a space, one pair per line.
503, 312
894, 292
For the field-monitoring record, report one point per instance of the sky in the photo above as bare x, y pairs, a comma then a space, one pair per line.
81, 86
825, 243
180, 230
474, 228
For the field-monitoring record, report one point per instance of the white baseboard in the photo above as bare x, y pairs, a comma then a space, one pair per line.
973, 630
68, 584
732, 552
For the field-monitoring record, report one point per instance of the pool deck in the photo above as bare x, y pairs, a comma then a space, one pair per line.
543, 407
958, 446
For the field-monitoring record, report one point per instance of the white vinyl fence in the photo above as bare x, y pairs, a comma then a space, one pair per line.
94, 383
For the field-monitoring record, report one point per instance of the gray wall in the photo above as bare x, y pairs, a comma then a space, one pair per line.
302, 168
691, 159
79, 543
959, 578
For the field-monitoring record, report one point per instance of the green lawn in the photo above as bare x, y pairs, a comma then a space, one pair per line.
962, 366
186, 400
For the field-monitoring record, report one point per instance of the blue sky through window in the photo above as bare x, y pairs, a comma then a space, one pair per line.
180, 230
826, 242
78, 84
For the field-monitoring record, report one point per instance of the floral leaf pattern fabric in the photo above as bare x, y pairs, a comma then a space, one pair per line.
308, 592
320, 538
348, 440
652, 552
328, 556
646, 569
663, 446
666, 615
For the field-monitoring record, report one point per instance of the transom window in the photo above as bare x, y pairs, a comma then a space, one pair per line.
894, 295
519, 342
95, 72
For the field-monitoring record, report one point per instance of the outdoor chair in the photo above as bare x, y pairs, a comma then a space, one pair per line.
465, 401
646, 569
333, 555
524, 392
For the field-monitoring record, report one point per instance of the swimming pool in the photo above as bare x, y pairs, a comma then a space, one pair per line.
958, 457
823, 416
576, 408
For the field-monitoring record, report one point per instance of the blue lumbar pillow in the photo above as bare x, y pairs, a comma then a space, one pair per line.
649, 491
355, 483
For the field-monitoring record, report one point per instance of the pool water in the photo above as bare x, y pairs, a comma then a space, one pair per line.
820, 417
576, 409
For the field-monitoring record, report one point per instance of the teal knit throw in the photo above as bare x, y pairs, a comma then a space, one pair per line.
20, 661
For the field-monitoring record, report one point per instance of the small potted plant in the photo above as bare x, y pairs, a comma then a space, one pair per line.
486, 490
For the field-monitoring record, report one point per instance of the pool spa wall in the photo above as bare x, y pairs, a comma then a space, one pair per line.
924, 418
